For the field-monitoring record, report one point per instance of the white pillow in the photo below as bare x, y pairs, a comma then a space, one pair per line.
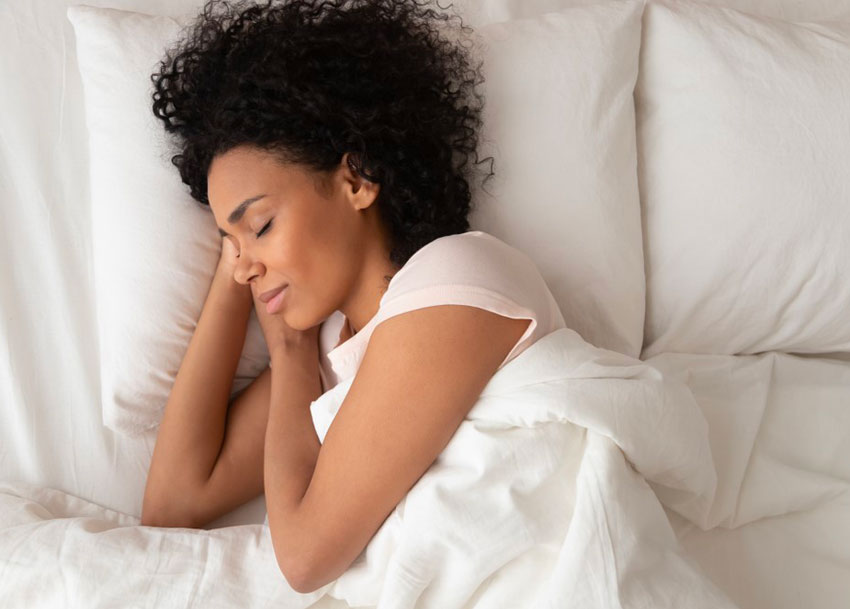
743, 127
791, 10
155, 248
565, 189
559, 122
491, 11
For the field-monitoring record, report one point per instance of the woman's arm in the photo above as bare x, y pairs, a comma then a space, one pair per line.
193, 426
421, 373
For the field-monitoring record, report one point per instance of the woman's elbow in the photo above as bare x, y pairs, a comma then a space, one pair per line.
302, 574
298, 578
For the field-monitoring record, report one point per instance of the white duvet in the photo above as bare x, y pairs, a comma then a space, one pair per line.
548, 495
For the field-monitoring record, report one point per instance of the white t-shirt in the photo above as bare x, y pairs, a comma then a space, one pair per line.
472, 268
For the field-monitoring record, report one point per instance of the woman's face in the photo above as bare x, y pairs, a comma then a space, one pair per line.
313, 242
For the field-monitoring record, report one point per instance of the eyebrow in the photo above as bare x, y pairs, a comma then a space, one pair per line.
237, 213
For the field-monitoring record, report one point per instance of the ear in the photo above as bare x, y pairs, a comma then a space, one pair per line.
363, 192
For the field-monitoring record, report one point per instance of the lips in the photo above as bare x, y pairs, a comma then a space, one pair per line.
267, 296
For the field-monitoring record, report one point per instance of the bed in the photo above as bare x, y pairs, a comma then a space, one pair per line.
705, 231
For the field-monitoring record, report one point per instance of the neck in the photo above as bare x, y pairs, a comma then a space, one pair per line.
373, 279
364, 302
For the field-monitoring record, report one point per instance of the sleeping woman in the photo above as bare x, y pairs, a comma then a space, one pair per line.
330, 141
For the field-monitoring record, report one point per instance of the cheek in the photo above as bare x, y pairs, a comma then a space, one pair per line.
299, 261
323, 258
329, 274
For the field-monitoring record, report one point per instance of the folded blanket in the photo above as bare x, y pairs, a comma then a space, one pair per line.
542, 498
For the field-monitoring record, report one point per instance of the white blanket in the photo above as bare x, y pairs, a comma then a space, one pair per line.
540, 499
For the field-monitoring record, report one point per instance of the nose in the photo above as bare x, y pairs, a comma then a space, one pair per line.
246, 269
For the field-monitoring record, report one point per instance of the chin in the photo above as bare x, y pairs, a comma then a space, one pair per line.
294, 322
302, 323
287, 318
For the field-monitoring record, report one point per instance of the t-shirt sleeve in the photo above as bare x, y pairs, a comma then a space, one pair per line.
475, 269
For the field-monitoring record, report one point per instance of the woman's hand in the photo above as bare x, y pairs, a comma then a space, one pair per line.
224, 279
228, 259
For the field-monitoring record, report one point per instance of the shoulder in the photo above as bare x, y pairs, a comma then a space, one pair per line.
433, 363
445, 354
447, 328
464, 258
469, 262
454, 312
475, 269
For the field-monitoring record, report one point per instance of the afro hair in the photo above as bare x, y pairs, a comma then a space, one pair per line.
387, 81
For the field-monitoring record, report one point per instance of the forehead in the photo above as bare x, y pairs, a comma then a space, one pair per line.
233, 173
242, 167
240, 174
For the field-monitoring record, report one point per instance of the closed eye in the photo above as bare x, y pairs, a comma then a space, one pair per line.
265, 228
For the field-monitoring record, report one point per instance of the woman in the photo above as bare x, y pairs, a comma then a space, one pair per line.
330, 140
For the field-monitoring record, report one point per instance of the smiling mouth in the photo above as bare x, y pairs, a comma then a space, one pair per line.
276, 302
267, 296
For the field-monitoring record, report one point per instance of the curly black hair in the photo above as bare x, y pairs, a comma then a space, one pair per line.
308, 80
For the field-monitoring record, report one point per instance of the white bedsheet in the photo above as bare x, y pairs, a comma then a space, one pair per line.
779, 424
531, 504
